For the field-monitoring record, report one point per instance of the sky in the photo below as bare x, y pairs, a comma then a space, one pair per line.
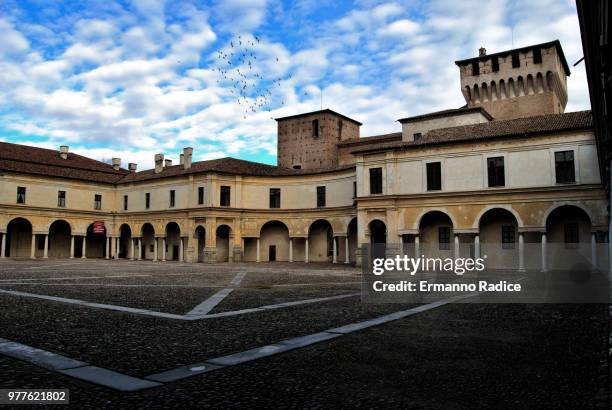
132, 78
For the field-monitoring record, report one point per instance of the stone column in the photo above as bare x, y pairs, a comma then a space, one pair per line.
46, 251
33, 247
155, 249
544, 262
84, 248
306, 253
401, 245
71, 246
181, 249
117, 241
456, 245
334, 250
347, 258
593, 251
139, 249
107, 248
521, 252
417, 246
163, 250
290, 250
476, 246
131, 249
3, 246
257, 259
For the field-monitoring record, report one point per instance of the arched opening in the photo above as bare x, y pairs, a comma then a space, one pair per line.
498, 234
95, 244
200, 235
521, 86
530, 88
274, 242
173, 242
378, 238
148, 242
320, 241
436, 234
223, 243
125, 240
351, 236
540, 86
511, 90
484, 92
59, 239
503, 93
19, 238
568, 230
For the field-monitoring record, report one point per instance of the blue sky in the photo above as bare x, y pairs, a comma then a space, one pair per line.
133, 78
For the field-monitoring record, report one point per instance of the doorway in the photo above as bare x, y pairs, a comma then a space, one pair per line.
272, 253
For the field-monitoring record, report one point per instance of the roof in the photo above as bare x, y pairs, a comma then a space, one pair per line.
520, 127
554, 43
447, 113
41, 161
325, 111
228, 165
395, 136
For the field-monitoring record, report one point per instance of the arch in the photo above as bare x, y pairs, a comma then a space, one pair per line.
66, 221
494, 91
125, 238
503, 93
511, 88
147, 234
568, 231
556, 206
498, 234
18, 238
445, 211
436, 230
378, 231
200, 236
550, 81
521, 86
274, 241
96, 243
485, 92
467, 93
173, 242
508, 208
60, 234
529, 86
539, 84
223, 235
320, 241
351, 237
476, 93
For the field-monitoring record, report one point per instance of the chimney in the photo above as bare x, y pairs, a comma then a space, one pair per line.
159, 163
482, 52
168, 163
64, 151
182, 159
187, 153
116, 163
132, 167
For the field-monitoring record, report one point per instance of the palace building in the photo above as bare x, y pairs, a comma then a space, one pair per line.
509, 168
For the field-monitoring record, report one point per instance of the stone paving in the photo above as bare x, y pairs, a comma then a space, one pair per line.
333, 352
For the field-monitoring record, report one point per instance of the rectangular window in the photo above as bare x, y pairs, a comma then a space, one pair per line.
275, 197
61, 198
21, 194
375, 181
97, 201
172, 198
434, 176
444, 238
315, 128
564, 167
417, 136
516, 63
537, 55
320, 196
495, 64
201, 195
571, 235
495, 170
147, 200
225, 195
354, 189
475, 68
508, 236
125, 202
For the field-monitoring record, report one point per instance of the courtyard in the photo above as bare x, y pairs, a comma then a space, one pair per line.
141, 333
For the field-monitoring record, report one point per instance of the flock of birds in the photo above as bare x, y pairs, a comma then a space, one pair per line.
238, 69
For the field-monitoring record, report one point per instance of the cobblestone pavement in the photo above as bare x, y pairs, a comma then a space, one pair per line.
453, 356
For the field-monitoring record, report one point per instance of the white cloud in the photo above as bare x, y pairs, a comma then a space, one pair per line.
399, 29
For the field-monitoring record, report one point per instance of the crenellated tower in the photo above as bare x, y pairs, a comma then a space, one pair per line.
517, 83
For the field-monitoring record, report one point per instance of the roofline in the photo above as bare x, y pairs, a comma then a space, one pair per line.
325, 111
555, 43
467, 140
370, 139
447, 113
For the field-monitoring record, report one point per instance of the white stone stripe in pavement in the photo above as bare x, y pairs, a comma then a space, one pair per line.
238, 278
74, 277
210, 303
74, 368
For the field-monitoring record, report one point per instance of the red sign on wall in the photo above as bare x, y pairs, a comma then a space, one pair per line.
98, 228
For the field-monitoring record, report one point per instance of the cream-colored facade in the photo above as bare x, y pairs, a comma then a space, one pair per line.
178, 213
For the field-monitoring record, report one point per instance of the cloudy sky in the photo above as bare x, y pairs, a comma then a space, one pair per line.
133, 78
